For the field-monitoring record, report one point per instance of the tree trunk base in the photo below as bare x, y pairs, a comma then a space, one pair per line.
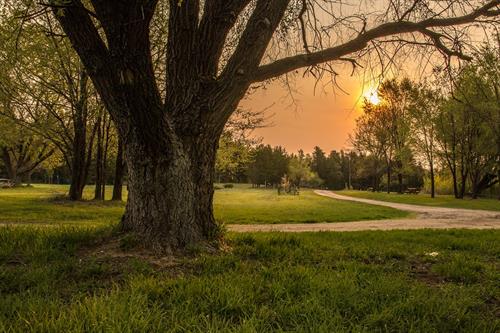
169, 204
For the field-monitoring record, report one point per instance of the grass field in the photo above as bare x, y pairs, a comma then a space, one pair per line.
51, 281
81, 275
249, 206
425, 199
42, 204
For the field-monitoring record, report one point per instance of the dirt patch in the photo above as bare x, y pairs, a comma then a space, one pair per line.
111, 250
421, 271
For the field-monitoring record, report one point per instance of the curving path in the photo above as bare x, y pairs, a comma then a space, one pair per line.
426, 218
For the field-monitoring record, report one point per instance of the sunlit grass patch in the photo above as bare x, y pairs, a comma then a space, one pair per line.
425, 199
46, 204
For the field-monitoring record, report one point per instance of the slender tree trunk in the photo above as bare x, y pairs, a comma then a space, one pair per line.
119, 172
388, 178
28, 178
105, 158
455, 183
475, 188
78, 164
80, 159
98, 160
463, 184
400, 182
433, 184
498, 177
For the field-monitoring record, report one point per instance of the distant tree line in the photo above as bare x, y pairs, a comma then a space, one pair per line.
266, 166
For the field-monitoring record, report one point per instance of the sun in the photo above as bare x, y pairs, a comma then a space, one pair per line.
372, 96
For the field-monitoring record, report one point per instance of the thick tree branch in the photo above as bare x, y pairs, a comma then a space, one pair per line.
182, 58
219, 16
255, 39
84, 37
436, 41
282, 66
235, 78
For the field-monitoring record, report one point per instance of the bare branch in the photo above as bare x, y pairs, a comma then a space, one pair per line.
279, 67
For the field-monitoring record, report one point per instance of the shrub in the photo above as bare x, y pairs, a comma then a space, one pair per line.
443, 184
228, 185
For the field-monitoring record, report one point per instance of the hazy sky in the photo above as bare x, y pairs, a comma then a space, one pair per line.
320, 117
325, 118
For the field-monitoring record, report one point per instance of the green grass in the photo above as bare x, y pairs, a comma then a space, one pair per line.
237, 205
251, 206
425, 199
77, 277
42, 204
323, 282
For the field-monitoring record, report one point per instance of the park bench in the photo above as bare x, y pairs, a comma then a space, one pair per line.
412, 190
6, 183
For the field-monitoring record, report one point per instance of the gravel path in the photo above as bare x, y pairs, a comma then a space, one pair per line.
426, 218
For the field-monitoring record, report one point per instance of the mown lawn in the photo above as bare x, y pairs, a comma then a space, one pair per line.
425, 199
250, 206
43, 204
55, 279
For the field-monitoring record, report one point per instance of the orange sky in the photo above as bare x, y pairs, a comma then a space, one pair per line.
322, 118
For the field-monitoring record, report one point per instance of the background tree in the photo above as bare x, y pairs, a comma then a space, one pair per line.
299, 171
269, 165
48, 92
21, 151
236, 142
424, 109
394, 111
469, 139
371, 137
319, 163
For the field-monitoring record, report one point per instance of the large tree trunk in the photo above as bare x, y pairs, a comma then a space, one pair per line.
170, 193
119, 173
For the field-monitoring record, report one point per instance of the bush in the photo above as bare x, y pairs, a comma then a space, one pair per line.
443, 184
228, 185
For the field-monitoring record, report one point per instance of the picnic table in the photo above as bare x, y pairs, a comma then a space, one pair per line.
6, 183
412, 190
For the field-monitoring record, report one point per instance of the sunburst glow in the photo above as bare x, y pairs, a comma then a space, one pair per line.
372, 96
